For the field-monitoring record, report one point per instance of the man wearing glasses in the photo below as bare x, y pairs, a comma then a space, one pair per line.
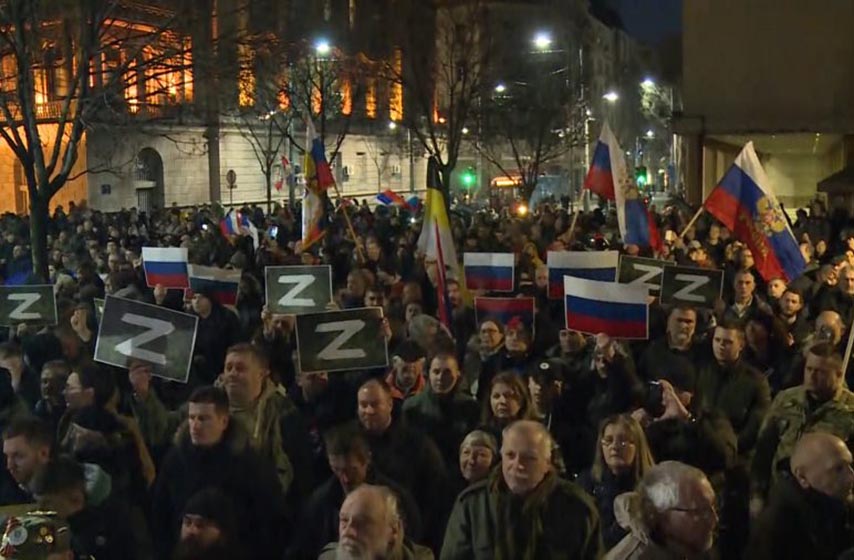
672, 514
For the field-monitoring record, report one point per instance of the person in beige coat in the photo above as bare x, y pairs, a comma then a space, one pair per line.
671, 515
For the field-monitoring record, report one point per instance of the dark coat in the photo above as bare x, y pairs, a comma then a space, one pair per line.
213, 337
707, 442
604, 492
104, 532
237, 471
318, 523
798, 524
412, 459
739, 392
446, 419
658, 358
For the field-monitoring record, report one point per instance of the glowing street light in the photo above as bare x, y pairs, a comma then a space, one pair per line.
648, 82
500, 88
650, 134
542, 41
392, 125
611, 97
322, 47
465, 130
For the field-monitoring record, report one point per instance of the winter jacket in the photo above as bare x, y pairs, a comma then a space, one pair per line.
557, 521
739, 392
637, 545
447, 419
792, 414
604, 492
279, 433
799, 523
234, 468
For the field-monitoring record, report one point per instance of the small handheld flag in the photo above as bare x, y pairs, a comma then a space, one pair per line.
166, 266
489, 271
596, 265
618, 310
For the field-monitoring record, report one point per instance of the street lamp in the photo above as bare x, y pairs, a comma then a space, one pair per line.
648, 82
650, 133
542, 41
322, 47
392, 125
611, 97
500, 88
465, 130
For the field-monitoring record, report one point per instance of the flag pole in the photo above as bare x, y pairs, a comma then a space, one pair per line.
359, 254
578, 207
691, 223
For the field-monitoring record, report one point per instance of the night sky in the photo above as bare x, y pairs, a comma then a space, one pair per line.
649, 21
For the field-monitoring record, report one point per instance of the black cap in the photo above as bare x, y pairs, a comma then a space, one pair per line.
409, 351
546, 370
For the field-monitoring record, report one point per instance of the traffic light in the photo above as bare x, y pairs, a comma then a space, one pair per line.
468, 178
641, 177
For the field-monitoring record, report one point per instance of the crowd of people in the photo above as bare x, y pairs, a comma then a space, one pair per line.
724, 435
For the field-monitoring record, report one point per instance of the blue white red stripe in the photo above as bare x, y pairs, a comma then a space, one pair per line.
595, 265
618, 310
608, 177
166, 266
489, 271
221, 283
745, 203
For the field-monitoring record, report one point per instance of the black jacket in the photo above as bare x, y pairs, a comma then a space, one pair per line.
104, 532
603, 492
798, 524
237, 471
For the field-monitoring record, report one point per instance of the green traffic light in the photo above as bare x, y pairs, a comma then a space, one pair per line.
468, 178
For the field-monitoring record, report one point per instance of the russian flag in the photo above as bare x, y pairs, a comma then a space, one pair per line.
618, 310
166, 266
230, 225
505, 309
745, 203
220, 282
596, 265
489, 271
609, 178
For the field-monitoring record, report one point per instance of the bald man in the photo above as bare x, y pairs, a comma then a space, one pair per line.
555, 519
370, 526
806, 516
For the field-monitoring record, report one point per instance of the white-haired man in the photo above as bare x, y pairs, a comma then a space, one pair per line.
523, 509
370, 526
671, 515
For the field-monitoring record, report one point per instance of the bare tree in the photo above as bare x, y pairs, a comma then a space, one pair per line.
442, 75
71, 64
536, 121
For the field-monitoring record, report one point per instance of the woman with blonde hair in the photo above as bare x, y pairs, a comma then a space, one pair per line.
621, 460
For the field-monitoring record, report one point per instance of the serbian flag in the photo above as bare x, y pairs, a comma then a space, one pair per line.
220, 282
318, 179
618, 310
436, 241
390, 198
506, 310
596, 265
489, 271
608, 177
166, 266
745, 203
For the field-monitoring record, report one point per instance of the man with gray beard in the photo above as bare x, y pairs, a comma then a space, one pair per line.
370, 528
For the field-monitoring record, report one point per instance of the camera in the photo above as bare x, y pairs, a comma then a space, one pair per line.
653, 402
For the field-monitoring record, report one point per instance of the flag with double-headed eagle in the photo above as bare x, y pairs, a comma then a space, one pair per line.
608, 177
745, 203
318, 179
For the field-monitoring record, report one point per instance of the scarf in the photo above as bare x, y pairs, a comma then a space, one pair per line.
533, 511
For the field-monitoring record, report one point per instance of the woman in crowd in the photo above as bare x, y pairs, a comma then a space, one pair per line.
622, 459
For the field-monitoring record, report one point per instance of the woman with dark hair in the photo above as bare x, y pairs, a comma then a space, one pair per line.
507, 400
484, 356
622, 459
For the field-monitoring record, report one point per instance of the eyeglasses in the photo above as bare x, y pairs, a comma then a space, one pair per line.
618, 443
699, 513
